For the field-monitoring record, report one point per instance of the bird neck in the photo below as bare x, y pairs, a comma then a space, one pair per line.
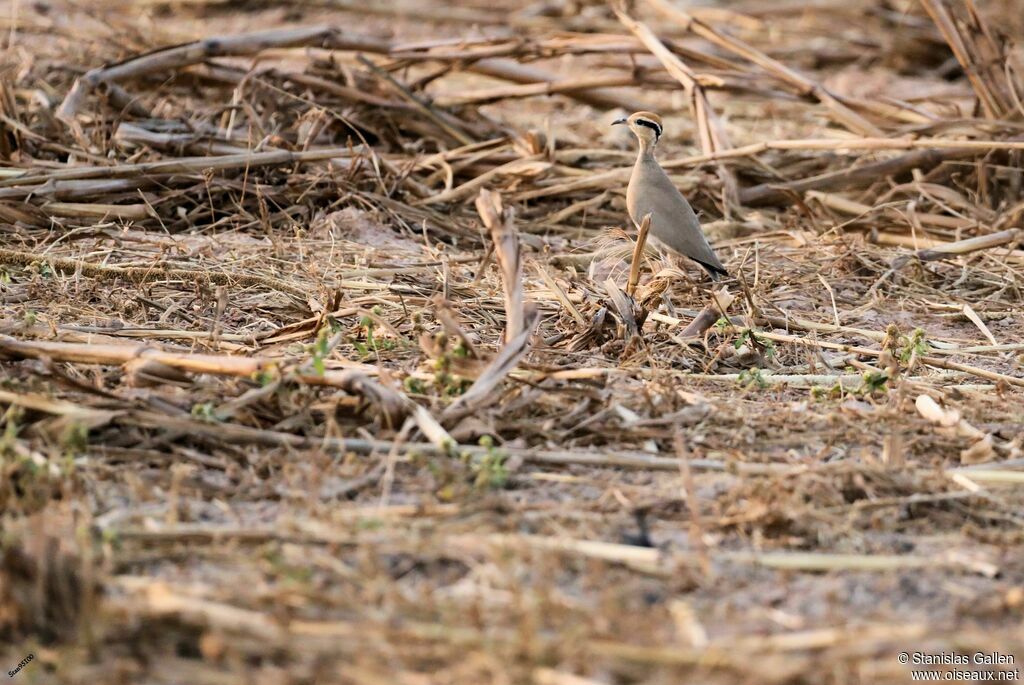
646, 149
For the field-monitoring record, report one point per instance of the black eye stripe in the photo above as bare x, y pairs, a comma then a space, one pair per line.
650, 124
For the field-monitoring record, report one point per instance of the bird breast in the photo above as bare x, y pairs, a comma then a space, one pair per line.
650, 191
637, 200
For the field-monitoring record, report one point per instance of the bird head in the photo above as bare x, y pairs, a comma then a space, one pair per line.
646, 126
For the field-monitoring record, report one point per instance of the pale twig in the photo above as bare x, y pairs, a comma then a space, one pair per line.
804, 85
638, 253
505, 239
710, 132
709, 316
657, 562
202, 50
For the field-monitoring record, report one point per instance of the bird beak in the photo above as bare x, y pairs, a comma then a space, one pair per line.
620, 121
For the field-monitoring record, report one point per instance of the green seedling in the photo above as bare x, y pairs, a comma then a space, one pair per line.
264, 377
753, 377
414, 386
872, 382
319, 350
915, 344
373, 344
490, 469
748, 337
204, 411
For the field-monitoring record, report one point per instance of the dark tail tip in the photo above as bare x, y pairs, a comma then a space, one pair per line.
716, 272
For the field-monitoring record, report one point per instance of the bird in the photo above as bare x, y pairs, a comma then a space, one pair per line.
650, 191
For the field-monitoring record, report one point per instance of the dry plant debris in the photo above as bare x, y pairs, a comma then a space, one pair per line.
328, 354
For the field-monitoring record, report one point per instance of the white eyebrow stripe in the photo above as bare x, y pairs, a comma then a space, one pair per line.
650, 124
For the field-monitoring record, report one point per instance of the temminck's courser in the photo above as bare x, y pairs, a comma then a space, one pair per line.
651, 191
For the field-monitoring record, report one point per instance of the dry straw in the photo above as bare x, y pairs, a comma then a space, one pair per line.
327, 352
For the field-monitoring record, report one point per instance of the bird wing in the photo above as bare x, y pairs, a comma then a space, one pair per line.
672, 219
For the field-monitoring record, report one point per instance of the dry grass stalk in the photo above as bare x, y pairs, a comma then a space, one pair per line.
938, 249
804, 86
711, 133
182, 165
515, 72
974, 49
507, 251
533, 90
849, 178
447, 124
626, 309
200, 51
147, 273
561, 295
392, 404
481, 393
722, 299
244, 435
72, 413
517, 166
520, 316
968, 245
638, 254
655, 562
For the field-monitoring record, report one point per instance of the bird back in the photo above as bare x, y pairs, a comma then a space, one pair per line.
673, 221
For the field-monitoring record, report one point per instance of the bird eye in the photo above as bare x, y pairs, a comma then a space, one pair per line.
651, 125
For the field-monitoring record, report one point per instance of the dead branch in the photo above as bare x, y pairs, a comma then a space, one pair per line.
177, 56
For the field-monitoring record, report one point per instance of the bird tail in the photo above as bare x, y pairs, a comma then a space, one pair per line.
716, 272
